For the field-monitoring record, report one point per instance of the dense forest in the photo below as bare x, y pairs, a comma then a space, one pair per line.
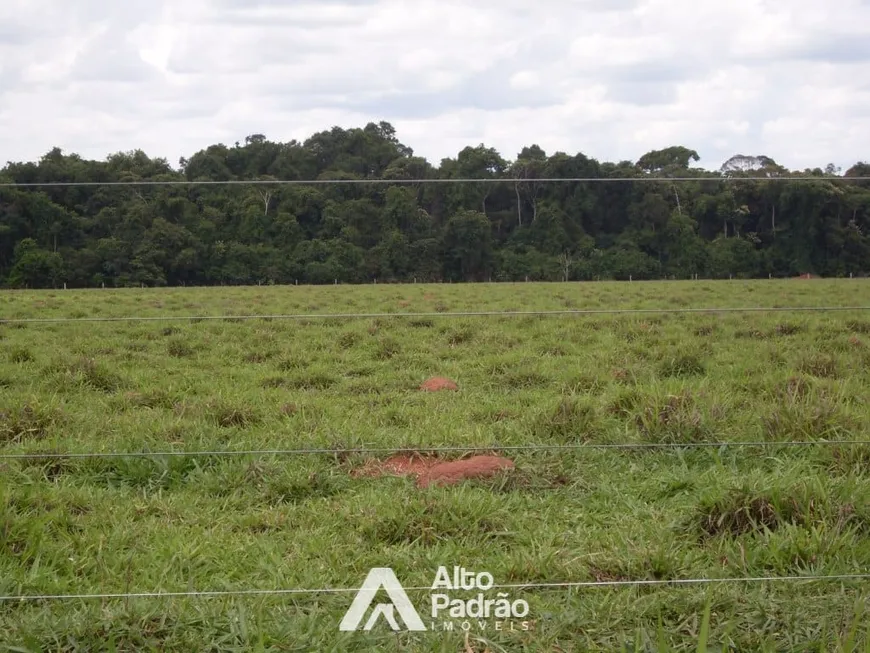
747, 219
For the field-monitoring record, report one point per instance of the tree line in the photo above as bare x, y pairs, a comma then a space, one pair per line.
747, 219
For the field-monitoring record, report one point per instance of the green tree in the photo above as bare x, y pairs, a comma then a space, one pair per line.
745, 219
34, 267
670, 159
467, 244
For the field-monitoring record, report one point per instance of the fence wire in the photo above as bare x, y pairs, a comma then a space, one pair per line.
432, 450
348, 590
436, 314
422, 451
427, 180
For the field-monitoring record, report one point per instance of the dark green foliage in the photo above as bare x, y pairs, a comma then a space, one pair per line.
510, 231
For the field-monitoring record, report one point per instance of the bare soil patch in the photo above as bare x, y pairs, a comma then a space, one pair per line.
398, 465
460, 470
438, 383
433, 471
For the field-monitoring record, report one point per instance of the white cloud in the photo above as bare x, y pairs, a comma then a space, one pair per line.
611, 79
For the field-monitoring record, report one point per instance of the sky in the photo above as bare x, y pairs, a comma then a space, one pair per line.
613, 79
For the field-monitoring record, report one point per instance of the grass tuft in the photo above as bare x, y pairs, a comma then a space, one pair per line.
788, 329
573, 419
682, 365
27, 422
179, 349
232, 415
671, 419
85, 373
743, 511
387, 348
21, 355
819, 365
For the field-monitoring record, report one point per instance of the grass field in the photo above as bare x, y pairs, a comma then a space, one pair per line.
117, 525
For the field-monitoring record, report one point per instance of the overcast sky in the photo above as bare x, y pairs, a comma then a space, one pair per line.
610, 78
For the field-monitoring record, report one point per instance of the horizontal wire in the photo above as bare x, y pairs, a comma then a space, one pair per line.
348, 590
344, 316
426, 450
463, 180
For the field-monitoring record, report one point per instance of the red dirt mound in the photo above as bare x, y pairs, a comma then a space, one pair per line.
433, 471
459, 470
438, 383
398, 465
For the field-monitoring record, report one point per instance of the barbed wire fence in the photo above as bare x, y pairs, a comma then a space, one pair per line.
53, 455
436, 314
424, 451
